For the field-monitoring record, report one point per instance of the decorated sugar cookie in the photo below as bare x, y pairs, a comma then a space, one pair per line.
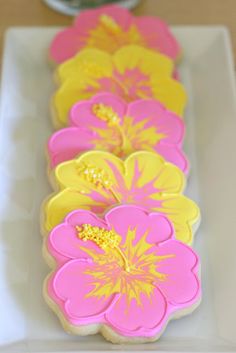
109, 28
97, 181
97, 63
107, 123
123, 275
131, 73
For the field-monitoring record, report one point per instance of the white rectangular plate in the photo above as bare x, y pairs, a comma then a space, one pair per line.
26, 323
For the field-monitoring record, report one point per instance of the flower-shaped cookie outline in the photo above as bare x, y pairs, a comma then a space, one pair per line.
144, 179
85, 296
132, 73
140, 125
109, 28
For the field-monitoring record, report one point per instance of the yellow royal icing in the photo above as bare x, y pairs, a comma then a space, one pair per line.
83, 76
144, 179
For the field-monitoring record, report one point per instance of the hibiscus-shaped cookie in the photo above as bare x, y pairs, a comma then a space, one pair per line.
132, 73
109, 28
124, 275
97, 181
108, 123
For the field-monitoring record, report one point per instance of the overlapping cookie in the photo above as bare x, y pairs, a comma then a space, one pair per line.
109, 28
124, 275
132, 73
97, 181
107, 123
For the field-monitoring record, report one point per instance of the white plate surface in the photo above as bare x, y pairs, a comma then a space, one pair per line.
26, 323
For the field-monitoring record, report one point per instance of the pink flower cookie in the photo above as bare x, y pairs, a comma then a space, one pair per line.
109, 28
107, 123
125, 276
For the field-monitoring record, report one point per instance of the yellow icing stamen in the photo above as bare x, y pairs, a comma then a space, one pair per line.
97, 176
103, 238
106, 113
110, 24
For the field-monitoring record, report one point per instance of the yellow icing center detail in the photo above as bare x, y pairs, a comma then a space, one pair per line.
108, 35
103, 238
106, 113
133, 136
130, 268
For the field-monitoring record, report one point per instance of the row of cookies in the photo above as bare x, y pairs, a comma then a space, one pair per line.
118, 228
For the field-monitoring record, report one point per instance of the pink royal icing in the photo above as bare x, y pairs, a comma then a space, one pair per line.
109, 28
108, 123
125, 271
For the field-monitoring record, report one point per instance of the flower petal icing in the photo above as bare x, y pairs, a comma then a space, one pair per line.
148, 316
182, 269
71, 287
63, 242
157, 224
68, 143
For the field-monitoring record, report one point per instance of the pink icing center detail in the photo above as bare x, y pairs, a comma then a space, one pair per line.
130, 85
126, 195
